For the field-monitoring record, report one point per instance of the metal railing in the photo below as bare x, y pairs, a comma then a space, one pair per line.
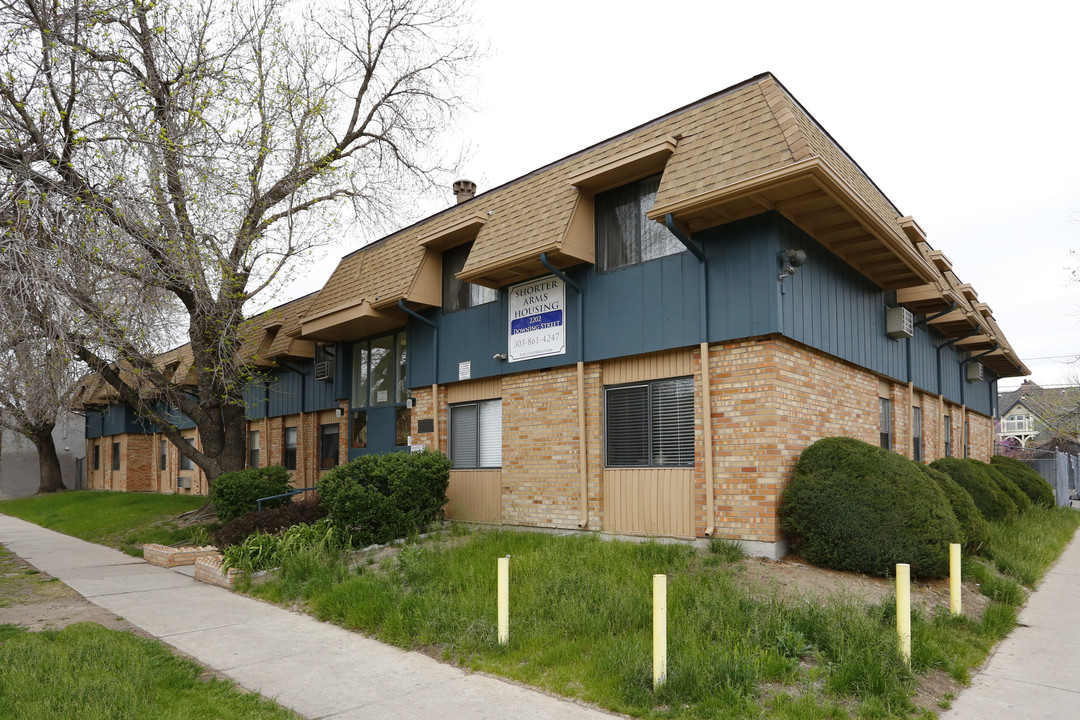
259, 502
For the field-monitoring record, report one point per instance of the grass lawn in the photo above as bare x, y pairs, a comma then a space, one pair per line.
581, 622
121, 520
88, 672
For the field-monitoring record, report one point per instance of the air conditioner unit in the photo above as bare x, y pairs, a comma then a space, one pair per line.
974, 372
899, 322
184, 482
324, 371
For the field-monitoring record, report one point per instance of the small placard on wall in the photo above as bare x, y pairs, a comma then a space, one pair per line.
464, 370
425, 425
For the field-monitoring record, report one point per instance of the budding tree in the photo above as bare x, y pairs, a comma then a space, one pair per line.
193, 150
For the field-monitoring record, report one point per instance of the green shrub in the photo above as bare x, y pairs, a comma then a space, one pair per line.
235, 493
972, 523
991, 500
852, 506
1022, 501
1030, 482
379, 498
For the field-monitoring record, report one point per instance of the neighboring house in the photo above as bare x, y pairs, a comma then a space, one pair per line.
19, 471
1031, 416
639, 338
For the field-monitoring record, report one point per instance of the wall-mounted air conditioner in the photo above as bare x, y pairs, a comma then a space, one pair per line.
974, 372
324, 371
899, 323
184, 482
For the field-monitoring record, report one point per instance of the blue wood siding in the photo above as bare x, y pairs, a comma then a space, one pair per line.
93, 424
828, 305
255, 400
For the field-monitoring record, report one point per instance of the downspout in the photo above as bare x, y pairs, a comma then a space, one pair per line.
434, 366
583, 468
703, 351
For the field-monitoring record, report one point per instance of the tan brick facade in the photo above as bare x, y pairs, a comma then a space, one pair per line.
770, 398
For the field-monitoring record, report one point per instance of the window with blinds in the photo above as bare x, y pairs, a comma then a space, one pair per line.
916, 434
946, 422
650, 424
885, 423
476, 434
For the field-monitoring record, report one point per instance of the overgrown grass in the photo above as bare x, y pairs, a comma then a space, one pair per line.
1025, 549
121, 520
88, 672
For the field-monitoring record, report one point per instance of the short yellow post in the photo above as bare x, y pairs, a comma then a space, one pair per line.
659, 630
903, 609
504, 600
954, 578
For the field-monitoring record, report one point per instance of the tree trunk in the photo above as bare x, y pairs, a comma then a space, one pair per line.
52, 478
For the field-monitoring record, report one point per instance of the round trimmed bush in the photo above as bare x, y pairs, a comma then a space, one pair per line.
1030, 482
856, 507
972, 523
991, 500
1022, 501
236, 493
378, 498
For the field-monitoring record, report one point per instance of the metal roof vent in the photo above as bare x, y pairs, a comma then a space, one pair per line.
464, 190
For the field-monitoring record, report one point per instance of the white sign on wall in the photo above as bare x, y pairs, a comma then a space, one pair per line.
537, 319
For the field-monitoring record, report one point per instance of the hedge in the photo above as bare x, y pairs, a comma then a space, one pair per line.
378, 498
268, 521
973, 525
856, 507
1030, 482
1022, 501
991, 500
235, 493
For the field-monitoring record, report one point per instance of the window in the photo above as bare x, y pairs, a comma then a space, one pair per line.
97, 456
359, 429
624, 236
650, 424
476, 434
967, 446
458, 294
186, 462
885, 423
946, 430
253, 449
328, 446
379, 371
163, 455
288, 458
402, 423
116, 456
916, 434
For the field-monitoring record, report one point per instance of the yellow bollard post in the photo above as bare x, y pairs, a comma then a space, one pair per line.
659, 631
504, 600
903, 609
954, 578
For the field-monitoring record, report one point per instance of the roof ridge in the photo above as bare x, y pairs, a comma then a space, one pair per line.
774, 95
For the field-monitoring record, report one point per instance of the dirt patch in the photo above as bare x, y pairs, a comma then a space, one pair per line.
793, 578
36, 601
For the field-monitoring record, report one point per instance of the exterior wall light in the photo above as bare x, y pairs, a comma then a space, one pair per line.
790, 261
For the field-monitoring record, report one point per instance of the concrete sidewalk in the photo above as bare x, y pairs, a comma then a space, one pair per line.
1034, 672
319, 670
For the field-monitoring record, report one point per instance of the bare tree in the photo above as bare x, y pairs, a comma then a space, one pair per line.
194, 150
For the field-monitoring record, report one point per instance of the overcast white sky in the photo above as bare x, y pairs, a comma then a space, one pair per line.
966, 114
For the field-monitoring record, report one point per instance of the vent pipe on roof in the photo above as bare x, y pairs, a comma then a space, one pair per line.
464, 190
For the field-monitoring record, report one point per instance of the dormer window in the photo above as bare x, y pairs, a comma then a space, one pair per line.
458, 294
624, 236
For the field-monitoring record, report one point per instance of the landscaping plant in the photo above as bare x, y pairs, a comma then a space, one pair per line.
235, 493
1030, 482
991, 500
378, 498
973, 525
856, 507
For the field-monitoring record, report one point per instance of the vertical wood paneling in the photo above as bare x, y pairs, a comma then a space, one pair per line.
475, 496
653, 366
649, 501
485, 389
